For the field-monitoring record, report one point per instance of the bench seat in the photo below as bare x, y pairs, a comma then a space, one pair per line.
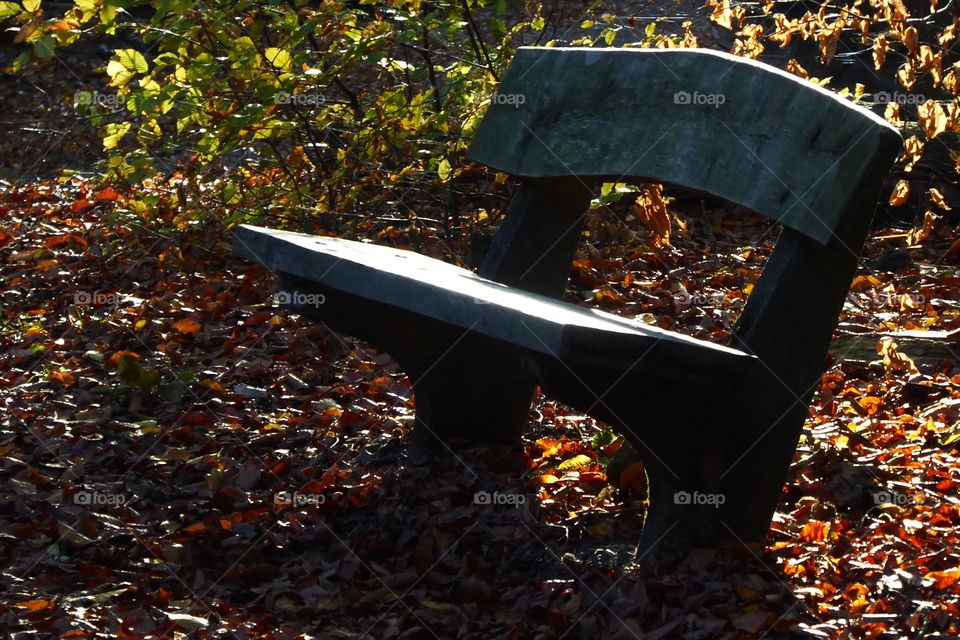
399, 279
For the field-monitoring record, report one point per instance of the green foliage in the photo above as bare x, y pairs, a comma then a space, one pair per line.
334, 100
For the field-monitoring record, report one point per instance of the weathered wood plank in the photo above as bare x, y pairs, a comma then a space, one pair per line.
712, 122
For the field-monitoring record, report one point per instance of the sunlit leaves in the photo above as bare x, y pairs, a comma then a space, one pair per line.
278, 58
900, 193
880, 48
114, 132
933, 118
8, 9
125, 64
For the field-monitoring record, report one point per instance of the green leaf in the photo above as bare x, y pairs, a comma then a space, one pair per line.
125, 64
443, 170
44, 46
8, 9
31, 5
132, 59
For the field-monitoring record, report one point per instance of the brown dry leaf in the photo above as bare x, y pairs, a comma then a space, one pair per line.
917, 235
690, 40
894, 359
796, 69
911, 38
651, 209
892, 115
880, 48
906, 76
932, 118
607, 297
900, 193
862, 282
937, 198
29, 28
948, 34
723, 15
784, 29
913, 151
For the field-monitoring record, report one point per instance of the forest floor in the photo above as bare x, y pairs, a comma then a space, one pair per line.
160, 414
180, 458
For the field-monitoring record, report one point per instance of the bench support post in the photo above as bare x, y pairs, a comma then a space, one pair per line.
533, 251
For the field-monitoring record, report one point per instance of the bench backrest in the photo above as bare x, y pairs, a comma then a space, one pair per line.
712, 122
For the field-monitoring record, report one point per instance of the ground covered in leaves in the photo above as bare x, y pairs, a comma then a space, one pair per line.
180, 458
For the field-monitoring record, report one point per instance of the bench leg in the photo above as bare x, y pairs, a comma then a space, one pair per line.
477, 390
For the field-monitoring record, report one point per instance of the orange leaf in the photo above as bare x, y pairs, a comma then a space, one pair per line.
945, 579
911, 38
932, 118
794, 67
900, 193
651, 208
815, 531
187, 326
606, 296
893, 358
880, 48
115, 358
917, 235
35, 605
63, 377
937, 198
107, 194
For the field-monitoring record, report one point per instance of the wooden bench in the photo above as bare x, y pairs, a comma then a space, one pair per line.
717, 425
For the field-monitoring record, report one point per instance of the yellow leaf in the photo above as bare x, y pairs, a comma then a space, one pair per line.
576, 462
278, 58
